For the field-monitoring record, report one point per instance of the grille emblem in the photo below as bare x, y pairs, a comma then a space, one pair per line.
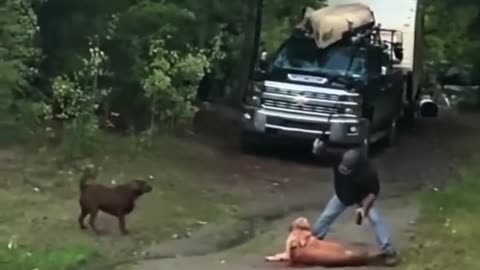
300, 100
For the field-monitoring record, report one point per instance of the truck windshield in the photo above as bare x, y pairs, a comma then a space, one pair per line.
303, 55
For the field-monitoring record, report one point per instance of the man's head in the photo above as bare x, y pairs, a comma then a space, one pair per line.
350, 161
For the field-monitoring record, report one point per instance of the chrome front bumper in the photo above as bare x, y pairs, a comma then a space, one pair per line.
335, 130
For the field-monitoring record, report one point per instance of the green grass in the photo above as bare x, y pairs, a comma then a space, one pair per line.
43, 222
449, 230
51, 259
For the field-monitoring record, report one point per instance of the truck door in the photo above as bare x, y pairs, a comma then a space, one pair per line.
378, 89
391, 88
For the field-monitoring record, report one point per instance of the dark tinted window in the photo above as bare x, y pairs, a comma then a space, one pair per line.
303, 55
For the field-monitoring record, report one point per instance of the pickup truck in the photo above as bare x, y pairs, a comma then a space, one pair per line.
346, 76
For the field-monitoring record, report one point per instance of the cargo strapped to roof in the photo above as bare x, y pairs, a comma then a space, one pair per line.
330, 24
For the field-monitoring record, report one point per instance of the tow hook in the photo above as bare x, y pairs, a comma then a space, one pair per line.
318, 146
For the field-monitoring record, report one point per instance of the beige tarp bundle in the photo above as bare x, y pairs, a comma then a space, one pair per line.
330, 23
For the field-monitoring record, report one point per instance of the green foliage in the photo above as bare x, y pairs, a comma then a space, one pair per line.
280, 17
60, 259
18, 50
454, 41
448, 229
172, 80
76, 101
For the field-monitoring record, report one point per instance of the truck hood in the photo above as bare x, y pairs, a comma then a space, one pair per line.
304, 78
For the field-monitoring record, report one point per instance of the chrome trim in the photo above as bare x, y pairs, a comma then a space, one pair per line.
309, 113
326, 119
307, 79
313, 101
296, 129
294, 111
308, 88
294, 116
345, 121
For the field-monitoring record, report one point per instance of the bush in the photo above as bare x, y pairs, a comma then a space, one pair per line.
171, 82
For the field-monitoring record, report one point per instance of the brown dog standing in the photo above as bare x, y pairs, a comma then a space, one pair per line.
117, 201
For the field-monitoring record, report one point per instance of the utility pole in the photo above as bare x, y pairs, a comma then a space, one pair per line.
252, 31
256, 37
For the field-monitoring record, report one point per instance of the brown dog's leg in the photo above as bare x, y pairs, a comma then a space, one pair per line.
81, 218
121, 224
93, 216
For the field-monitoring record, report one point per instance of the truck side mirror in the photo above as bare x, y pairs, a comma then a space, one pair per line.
263, 60
398, 52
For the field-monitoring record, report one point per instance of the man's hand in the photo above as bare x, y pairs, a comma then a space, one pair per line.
360, 215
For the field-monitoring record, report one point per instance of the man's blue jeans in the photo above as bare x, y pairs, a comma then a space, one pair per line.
335, 207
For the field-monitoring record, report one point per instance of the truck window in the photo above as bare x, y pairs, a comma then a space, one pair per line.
303, 55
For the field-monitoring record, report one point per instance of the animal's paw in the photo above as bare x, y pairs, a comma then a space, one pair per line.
276, 258
271, 258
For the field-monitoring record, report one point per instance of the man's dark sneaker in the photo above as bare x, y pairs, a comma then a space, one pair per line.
390, 257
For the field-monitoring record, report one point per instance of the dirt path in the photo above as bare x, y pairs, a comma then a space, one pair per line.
287, 184
270, 240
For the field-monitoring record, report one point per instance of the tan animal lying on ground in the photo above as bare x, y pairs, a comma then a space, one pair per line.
302, 248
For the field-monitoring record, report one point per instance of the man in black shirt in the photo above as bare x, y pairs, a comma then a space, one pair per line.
356, 183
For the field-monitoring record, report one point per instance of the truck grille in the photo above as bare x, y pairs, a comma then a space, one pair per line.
292, 93
290, 105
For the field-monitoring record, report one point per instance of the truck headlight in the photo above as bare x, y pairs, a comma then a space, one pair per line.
349, 111
354, 99
254, 99
354, 110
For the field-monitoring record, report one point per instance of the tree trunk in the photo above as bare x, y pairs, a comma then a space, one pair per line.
251, 30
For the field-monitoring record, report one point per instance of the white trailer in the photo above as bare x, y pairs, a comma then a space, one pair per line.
406, 17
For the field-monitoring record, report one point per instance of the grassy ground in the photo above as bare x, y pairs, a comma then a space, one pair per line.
39, 199
448, 233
